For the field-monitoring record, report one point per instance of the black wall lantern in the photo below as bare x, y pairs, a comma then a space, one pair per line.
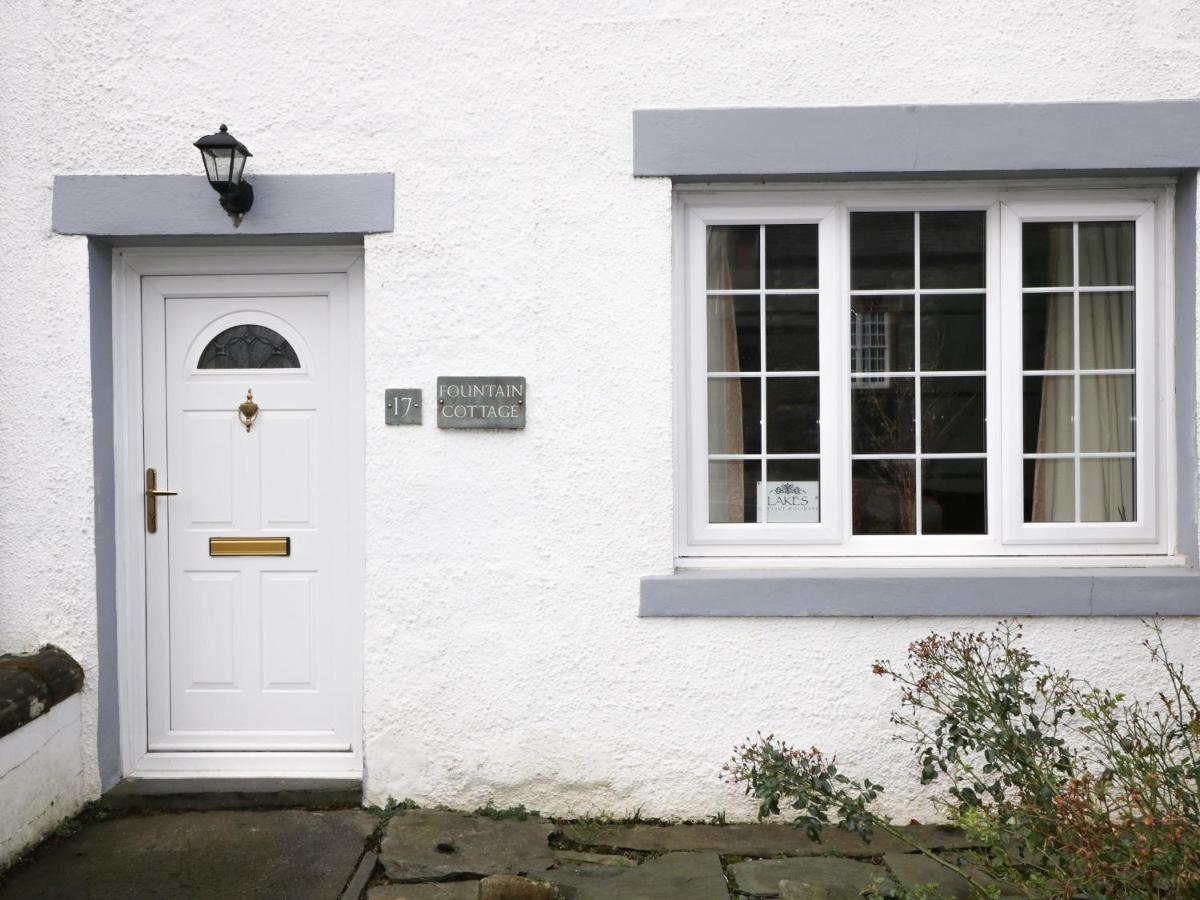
224, 159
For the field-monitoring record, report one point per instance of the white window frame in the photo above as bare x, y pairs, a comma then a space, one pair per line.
1150, 540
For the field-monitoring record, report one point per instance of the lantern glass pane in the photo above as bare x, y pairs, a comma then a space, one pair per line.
210, 168
217, 161
239, 162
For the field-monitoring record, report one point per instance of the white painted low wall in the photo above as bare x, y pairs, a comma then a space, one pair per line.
41, 777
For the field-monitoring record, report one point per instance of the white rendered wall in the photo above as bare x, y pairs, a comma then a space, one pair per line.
504, 656
42, 777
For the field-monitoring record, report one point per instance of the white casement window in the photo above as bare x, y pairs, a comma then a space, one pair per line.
918, 373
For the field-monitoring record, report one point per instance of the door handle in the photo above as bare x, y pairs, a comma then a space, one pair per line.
152, 495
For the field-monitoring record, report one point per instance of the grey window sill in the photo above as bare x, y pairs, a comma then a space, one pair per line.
924, 592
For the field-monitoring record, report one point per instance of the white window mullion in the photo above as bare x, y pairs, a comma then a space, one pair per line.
1075, 366
762, 363
919, 517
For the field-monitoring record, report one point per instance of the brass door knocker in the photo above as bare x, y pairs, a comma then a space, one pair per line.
248, 410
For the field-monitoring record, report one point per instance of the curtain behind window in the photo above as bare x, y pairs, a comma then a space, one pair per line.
727, 489
1105, 404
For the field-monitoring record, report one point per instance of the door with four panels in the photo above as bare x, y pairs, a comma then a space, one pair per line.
247, 624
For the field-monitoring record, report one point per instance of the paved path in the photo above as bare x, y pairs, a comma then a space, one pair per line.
231, 855
296, 854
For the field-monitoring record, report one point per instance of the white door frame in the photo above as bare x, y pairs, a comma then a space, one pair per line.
129, 265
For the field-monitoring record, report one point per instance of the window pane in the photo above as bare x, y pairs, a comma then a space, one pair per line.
884, 493
792, 334
952, 415
1047, 254
791, 256
732, 257
793, 491
733, 334
952, 332
1049, 490
1048, 331
881, 334
1105, 253
733, 415
793, 415
882, 415
1049, 414
881, 250
1106, 490
1106, 330
732, 486
1106, 413
954, 496
952, 249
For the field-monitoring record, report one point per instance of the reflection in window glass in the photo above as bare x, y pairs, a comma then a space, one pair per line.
954, 496
881, 333
882, 255
924, 414
884, 496
952, 332
791, 252
952, 249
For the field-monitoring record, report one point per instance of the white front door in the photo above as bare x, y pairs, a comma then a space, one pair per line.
244, 652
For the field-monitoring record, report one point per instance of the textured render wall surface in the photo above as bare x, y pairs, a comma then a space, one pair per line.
41, 777
504, 657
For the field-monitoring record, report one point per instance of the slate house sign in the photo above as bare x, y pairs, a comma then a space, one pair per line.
481, 401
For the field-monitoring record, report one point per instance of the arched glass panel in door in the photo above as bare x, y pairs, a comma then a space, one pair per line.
249, 347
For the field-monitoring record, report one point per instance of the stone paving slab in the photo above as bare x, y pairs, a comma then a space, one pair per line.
675, 876
569, 858
445, 890
757, 839
761, 877
433, 845
516, 887
800, 890
916, 868
230, 855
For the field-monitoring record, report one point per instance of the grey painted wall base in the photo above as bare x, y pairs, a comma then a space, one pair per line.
156, 205
907, 140
919, 592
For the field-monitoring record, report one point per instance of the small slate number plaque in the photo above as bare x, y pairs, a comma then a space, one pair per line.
402, 406
481, 401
